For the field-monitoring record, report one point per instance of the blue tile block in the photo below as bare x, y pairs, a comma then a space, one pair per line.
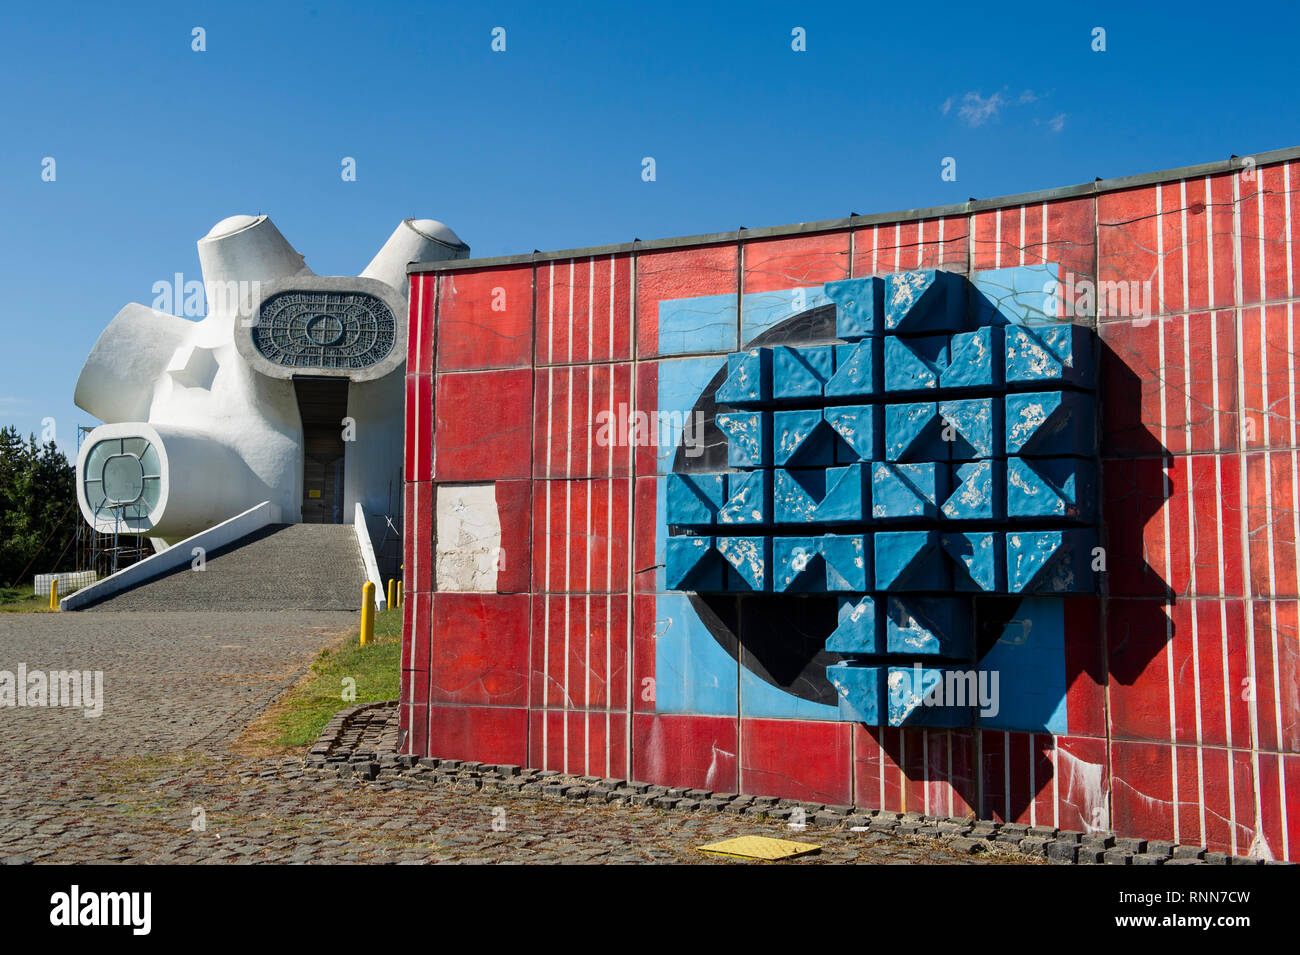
977, 492
692, 564
797, 565
694, 499
801, 372
914, 432
861, 691
859, 630
910, 561
917, 697
915, 364
907, 490
929, 300
829, 496
1050, 562
749, 379
832, 563
978, 561
928, 626
847, 496
749, 441
1050, 354
976, 427
975, 360
858, 370
801, 439
1060, 488
795, 495
858, 428
846, 558
749, 498
859, 306
1050, 423
750, 558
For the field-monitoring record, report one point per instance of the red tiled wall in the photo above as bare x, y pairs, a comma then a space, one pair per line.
1183, 679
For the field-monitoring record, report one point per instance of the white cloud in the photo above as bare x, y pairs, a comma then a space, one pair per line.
977, 110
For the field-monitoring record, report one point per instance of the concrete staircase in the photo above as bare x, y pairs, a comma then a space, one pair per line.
280, 567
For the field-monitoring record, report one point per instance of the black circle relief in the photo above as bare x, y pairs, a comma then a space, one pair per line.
327, 330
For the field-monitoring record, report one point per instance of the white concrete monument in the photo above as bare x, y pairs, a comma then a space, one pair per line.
289, 390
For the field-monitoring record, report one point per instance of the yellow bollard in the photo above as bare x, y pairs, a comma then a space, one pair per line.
400, 596
367, 613
54, 594
392, 593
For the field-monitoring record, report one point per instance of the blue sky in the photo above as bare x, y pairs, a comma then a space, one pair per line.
541, 146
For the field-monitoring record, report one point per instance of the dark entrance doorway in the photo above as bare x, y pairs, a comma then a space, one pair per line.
323, 404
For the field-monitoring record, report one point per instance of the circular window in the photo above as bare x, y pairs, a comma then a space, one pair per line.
123, 478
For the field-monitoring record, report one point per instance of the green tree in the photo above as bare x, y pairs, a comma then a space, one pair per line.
38, 496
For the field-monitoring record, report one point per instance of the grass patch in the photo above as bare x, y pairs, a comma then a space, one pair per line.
295, 721
22, 600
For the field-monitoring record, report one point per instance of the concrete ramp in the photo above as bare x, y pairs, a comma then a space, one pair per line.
277, 567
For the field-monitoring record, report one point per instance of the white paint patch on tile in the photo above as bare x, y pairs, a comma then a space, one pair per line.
468, 554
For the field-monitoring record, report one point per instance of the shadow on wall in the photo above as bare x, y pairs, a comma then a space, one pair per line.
780, 638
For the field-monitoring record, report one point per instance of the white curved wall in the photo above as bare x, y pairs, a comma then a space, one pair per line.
230, 436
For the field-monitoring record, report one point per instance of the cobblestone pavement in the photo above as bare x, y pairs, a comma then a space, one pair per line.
150, 780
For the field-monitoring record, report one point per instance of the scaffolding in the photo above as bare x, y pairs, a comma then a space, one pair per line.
102, 551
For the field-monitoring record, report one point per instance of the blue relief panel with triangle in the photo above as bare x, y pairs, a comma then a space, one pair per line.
802, 439
975, 492
907, 490
918, 697
858, 370
928, 626
940, 452
915, 363
820, 496
859, 306
1050, 423
749, 499
749, 440
927, 300
974, 359
801, 372
860, 628
975, 427
749, 379
691, 564
831, 563
860, 691
749, 559
914, 432
978, 560
1050, 354
857, 428
1061, 488
695, 499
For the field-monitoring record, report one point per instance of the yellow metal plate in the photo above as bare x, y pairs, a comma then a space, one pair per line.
760, 847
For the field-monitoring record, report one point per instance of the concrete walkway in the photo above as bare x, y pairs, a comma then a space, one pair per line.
151, 781
281, 567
